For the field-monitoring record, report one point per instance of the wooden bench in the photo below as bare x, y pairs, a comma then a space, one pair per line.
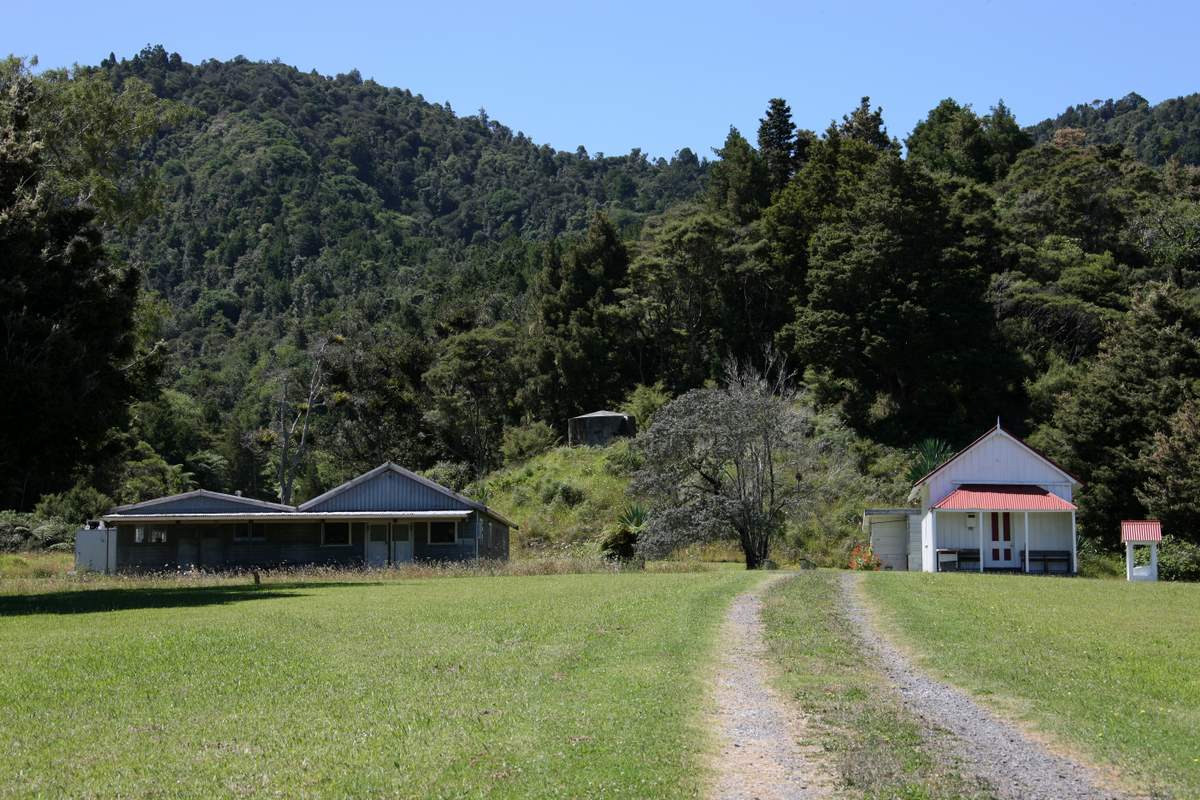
1048, 561
952, 559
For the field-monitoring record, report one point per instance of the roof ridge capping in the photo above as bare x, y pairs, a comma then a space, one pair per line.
997, 429
237, 498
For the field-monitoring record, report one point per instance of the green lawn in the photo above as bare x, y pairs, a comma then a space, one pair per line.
1106, 667
564, 685
875, 744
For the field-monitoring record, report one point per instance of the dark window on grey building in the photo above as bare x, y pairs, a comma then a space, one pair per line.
248, 532
335, 533
443, 533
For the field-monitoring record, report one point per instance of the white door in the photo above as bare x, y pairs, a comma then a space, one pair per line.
889, 542
402, 544
998, 549
377, 544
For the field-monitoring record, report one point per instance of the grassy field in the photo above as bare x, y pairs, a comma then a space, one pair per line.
875, 744
561, 685
1105, 667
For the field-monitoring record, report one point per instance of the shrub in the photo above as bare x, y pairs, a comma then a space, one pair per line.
644, 402
527, 440
451, 474
1178, 560
550, 490
76, 505
620, 544
862, 557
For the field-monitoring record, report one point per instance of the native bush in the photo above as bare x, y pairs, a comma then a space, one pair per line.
1178, 560
76, 505
531, 438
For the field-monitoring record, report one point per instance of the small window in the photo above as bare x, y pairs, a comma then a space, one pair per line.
335, 534
139, 535
443, 533
249, 532
158, 535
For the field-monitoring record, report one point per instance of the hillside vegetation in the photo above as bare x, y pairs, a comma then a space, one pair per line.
290, 278
1154, 133
565, 497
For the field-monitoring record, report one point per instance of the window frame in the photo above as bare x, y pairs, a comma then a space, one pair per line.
150, 534
254, 533
429, 533
349, 535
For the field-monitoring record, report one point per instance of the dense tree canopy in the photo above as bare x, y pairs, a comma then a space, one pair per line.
484, 288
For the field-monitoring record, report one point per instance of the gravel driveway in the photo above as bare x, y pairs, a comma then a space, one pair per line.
995, 751
766, 750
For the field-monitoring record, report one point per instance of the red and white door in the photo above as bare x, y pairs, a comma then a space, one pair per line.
999, 551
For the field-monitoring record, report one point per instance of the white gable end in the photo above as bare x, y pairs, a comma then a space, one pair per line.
998, 458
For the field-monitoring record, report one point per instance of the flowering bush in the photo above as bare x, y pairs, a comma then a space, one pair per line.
862, 557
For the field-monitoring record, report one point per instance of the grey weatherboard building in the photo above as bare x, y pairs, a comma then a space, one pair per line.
386, 516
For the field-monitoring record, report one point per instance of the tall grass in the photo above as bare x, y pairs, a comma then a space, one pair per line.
52, 572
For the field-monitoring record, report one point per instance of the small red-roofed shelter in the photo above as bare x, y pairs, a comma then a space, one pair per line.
1136, 532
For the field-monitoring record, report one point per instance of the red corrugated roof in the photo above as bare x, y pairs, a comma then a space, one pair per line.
1002, 497
1141, 530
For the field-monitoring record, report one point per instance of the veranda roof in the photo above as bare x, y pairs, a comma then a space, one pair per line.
1002, 497
1141, 530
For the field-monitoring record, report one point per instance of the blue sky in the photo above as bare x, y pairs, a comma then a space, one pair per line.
661, 76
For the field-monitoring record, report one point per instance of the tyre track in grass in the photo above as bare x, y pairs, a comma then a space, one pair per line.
1015, 766
766, 750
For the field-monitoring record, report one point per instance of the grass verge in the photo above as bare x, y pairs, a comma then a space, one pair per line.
558, 685
877, 745
1106, 667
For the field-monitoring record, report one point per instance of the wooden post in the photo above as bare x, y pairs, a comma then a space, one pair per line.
1129, 561
1026, 542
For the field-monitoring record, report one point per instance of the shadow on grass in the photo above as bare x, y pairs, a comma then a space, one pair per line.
88, 601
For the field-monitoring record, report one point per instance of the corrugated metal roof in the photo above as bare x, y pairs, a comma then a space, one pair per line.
601, 414
1141, 530
1002, 497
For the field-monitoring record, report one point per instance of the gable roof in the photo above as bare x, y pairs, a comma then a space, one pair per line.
235, 499
988, 434
1141, 530
388, 466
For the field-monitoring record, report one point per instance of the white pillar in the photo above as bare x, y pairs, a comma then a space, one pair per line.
1074, 549
937, 561
1026, 542
981, 541
1154, 561
1129, 561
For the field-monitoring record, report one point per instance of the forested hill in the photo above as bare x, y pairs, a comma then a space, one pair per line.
283, 188
1154, 133
339, 274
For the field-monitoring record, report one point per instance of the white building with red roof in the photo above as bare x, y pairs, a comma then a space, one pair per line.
996, 505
